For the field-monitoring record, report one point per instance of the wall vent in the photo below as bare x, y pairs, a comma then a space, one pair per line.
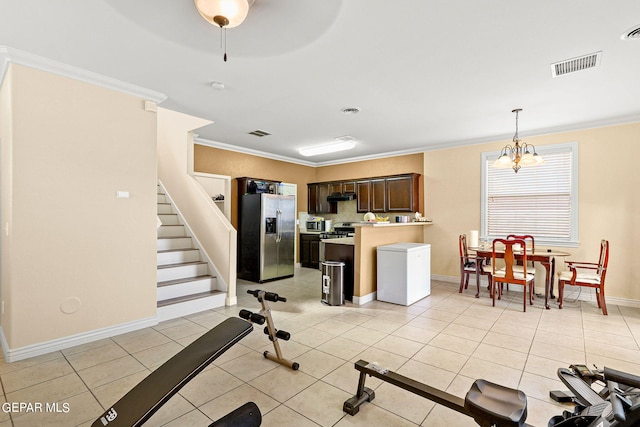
576, 64
259, 132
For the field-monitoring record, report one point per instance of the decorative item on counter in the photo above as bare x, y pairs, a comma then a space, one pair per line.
419, 218
402, 218
370, 217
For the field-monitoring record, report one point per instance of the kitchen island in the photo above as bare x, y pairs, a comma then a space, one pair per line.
368, 236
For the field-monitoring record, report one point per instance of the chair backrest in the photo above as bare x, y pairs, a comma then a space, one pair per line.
604, 259
509, 257
525, 237
462, 243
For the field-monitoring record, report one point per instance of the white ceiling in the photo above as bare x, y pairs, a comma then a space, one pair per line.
425, 74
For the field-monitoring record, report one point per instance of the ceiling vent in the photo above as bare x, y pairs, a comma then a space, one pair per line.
632, 34
259, 132
576, 64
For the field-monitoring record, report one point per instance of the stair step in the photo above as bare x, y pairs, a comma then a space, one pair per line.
178, 307
169, 219
171, 231
161, 198
182, 270
172, 289
178, 256
165, 208
169, 243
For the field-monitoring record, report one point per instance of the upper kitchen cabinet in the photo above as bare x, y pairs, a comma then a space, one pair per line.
378, 195
335, 187
363, 196
402, 193
349, 187
396, 193
317, 199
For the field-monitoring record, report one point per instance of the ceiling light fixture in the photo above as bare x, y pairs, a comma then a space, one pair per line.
518, 155
225, 14
342, 143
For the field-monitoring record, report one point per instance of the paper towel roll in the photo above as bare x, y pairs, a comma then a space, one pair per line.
473, 238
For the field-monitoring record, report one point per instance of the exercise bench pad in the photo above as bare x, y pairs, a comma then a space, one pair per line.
141, 402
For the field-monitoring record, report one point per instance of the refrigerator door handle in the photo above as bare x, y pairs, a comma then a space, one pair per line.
278, 225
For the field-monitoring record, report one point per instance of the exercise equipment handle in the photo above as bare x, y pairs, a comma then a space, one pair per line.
269, 296
622, 377
616, 403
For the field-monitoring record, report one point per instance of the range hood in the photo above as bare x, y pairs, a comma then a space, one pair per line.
341, 197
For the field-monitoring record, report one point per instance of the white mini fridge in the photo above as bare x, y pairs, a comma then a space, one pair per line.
404, 272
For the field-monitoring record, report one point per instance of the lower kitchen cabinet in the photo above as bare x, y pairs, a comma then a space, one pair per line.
310, 250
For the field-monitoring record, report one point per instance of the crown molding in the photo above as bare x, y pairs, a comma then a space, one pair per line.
9, 55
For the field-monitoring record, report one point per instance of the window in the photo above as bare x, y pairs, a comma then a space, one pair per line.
540, 200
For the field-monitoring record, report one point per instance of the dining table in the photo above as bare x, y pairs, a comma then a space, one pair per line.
546, 257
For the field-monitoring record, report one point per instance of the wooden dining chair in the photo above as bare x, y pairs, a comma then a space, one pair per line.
531, 246
509, 275
468, 265
592, 275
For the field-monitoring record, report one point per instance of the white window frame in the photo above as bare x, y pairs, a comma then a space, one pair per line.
487, 160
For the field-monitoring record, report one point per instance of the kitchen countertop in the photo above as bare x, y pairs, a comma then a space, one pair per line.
391, 224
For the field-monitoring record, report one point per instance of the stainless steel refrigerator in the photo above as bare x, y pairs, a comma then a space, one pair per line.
266, 235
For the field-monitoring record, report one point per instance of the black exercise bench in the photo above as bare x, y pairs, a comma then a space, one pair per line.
141, 402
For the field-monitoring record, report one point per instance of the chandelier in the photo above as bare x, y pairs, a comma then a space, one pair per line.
518, 155
224, 13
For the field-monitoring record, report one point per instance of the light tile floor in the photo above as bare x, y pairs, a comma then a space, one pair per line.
445, 340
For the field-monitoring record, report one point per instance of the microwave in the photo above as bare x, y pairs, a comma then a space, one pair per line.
315, 225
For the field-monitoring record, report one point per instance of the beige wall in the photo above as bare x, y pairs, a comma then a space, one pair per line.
608, 187
67, 147
224, 162
608, 201
236, 165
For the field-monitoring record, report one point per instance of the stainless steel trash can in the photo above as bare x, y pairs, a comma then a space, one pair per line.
332, 282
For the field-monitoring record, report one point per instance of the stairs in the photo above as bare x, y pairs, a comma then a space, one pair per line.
185, 285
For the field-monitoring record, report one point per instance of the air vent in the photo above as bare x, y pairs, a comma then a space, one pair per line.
350, 110
576, 64
632, 34
259, 132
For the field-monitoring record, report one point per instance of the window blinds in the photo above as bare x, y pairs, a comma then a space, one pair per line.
537, 200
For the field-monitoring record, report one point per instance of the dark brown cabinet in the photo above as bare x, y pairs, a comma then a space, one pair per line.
335, 187
349, 187
310, 250
317, 199
363, 196
396, 193
402, 193
378, 195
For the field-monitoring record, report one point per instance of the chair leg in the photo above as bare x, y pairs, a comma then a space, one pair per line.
466, 281
531, 294
462, 274
603, 305
524, 298
560, 293
492, 290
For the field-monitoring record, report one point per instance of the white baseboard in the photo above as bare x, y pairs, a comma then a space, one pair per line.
364, 299
584, 296
15, 354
